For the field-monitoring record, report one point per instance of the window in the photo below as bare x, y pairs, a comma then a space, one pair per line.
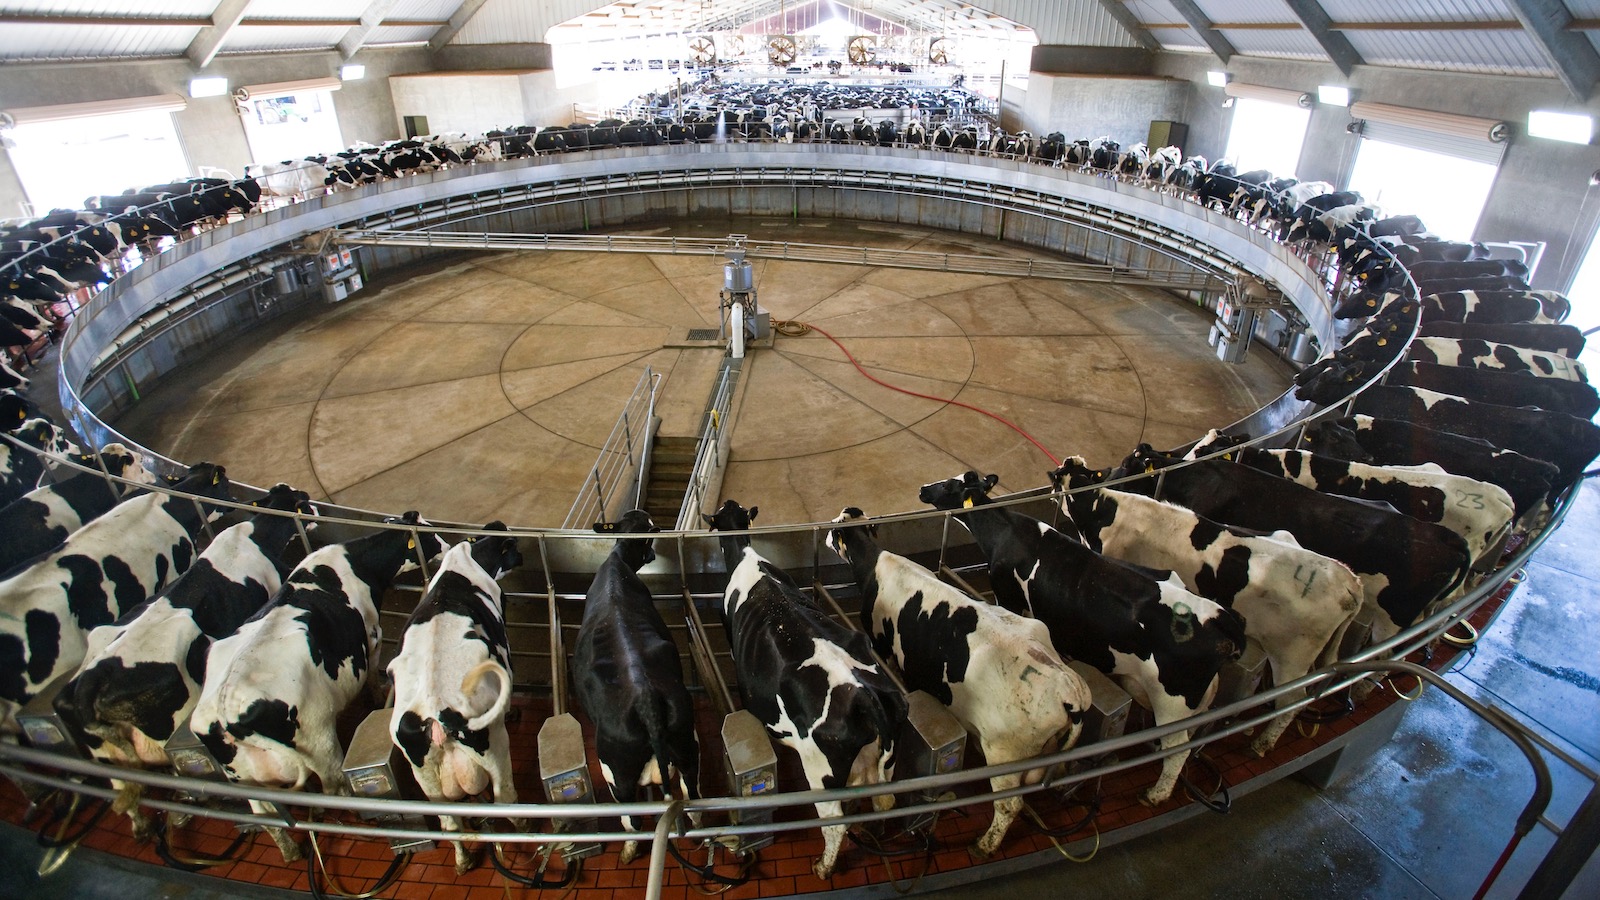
1448, 192
1266, 135
291, 126
63, 161
1585, 290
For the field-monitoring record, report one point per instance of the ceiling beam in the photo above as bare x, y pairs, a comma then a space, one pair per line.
458, 21
119, 21
1336, 45
203, 49
1197, 20
1575, 60
371, 18
1131, 24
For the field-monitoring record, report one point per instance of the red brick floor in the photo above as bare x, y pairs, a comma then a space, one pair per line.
784, 868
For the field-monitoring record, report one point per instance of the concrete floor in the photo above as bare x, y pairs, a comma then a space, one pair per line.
483, 388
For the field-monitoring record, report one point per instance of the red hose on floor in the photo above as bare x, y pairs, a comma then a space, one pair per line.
878, 381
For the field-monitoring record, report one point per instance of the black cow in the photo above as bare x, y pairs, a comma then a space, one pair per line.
810, 680
1567, 441
1168, 642
1496, 307
1575, 398
627, 675
1391, 442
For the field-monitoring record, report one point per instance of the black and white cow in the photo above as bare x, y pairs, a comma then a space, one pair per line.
1164, 642
1565, 340
10, 378
996, 671
1404, 565
1481, 513
628, 678
1296, 604
1391, 442
1496, 307
274, 688
450, 723
1296, 227
810, 680
21, 469
141, 676
1567, 441
1469, 353
100, 573
1575, 398
42, 518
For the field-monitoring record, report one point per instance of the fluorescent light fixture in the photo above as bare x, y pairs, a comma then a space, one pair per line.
1216, 79
1333, 95
352, 73
208, 87
1574, 128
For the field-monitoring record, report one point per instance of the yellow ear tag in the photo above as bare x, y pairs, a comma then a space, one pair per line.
1228, 457
215, 478
411, 544
1149, 467
1372, 302
1383, 342
967, 503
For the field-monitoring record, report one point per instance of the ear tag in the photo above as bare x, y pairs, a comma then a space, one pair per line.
1383, 342
1228, 457
215, 478
1149, 467
1372, 302
411, 544
967, 503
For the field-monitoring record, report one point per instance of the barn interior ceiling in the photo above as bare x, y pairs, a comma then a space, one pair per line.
1546, 38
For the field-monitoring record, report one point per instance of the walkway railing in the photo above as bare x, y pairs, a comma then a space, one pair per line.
711, 453
623, 459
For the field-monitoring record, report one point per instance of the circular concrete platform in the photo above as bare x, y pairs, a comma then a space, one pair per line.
482, 387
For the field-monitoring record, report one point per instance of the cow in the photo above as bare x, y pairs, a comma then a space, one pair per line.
1470, 353
628, 678
810, 680
1310, 208
1392, 276
1481, 513
1497, 307
140, 677
22, 467
1567, 441
23, 315
1391, 442
1296, 604
1564, 340
296, 179
1405, 565
1216, 185
1165, 643
12, 379
100, 573
996, 671
1575, 398
1191, 172
1164, 166
1104, 154
447, 721
273, 688
42, 518
1324, 226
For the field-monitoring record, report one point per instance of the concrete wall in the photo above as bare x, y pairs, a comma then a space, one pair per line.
1088, 106
1542, 184
209, 128
460, 101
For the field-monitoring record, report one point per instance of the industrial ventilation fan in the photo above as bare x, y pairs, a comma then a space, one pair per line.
939, 51
703, 50
863, 49
781, 50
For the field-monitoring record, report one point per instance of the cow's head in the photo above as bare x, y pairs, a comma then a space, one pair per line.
284, 498
859, 529
1335, 440
427, 545
496, 554
15, 409
1331, 380
637, 553
965, 490
123, 463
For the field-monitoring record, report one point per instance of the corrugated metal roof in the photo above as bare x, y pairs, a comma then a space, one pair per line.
162, 8
1417, 10
1245, 11
514, 21
424, 9
1155, 12
1178, 39
307, 9
1067, 22
259, 38
26, 43
1489, 52
1297, 44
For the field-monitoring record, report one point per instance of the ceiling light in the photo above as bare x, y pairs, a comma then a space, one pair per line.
1216, 79
1333, 95
208, 87
1574, 128
352, 73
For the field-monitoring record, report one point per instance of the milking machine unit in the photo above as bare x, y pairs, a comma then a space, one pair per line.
563, 761
44, 729
932, 741
748, 757
371, 768
1241, 305
741, 318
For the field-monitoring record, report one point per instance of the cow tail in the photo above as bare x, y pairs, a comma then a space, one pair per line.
501, 701
888, 728
650, 707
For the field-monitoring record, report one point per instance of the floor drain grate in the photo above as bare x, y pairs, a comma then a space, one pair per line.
702, 334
